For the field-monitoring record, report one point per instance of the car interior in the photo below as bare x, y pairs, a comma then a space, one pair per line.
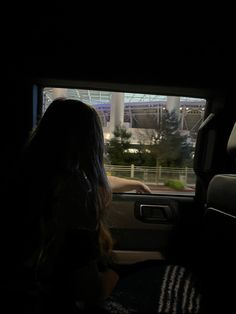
194, 230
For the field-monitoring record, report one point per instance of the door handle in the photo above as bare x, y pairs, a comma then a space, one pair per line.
154, 213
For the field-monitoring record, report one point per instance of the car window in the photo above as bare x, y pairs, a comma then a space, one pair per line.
147, 137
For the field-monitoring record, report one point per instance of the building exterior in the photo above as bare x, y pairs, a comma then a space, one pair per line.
141, 114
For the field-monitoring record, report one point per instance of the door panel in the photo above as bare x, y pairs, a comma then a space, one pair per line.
130, 257
143, 226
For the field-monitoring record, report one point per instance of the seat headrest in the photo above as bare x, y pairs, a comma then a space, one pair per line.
231, 146
221, 194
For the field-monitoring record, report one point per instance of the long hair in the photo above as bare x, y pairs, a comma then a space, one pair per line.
68, 143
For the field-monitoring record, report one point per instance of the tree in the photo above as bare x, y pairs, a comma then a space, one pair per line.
170, 147
120, 151
117, 147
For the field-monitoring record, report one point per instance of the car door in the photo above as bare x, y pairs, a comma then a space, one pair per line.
152, 227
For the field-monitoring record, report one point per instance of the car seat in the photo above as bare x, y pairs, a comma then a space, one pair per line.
219, 237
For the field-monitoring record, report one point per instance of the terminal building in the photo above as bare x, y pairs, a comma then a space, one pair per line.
141, 114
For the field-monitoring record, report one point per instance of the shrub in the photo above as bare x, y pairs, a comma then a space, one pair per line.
175, 184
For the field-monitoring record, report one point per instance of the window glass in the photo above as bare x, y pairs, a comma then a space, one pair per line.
147, 137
